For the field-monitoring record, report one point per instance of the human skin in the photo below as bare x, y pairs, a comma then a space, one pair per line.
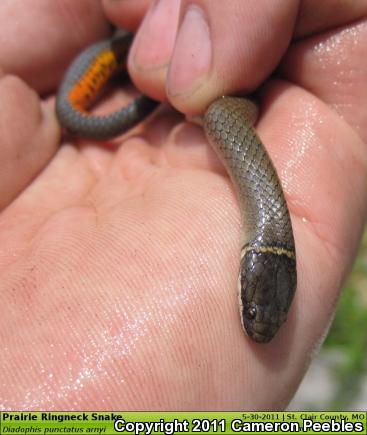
119, 260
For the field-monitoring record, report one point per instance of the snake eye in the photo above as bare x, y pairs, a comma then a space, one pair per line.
251, 313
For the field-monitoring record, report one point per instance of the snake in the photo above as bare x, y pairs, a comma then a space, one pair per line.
267, 276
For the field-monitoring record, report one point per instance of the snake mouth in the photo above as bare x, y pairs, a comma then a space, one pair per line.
260, 338
263, 336
261, 331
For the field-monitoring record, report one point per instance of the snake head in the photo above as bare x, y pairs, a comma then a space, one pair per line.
267, 282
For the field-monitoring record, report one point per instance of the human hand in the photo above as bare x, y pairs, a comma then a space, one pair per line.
119, 266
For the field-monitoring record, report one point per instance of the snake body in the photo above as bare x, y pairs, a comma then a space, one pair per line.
82, 85
267, 278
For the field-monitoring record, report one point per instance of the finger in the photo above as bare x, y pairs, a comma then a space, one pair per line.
333, 66
40, 53
152, 49
126, 14
218, 50
315, 16
156, 52
29, 136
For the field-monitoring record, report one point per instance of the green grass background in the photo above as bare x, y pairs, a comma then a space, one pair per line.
348, 337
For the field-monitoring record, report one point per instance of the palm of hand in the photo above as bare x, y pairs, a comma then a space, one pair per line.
114, 267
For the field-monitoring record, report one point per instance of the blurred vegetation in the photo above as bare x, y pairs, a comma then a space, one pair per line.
348, 336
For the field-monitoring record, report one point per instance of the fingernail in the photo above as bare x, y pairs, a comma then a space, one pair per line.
192, 54
155, 39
